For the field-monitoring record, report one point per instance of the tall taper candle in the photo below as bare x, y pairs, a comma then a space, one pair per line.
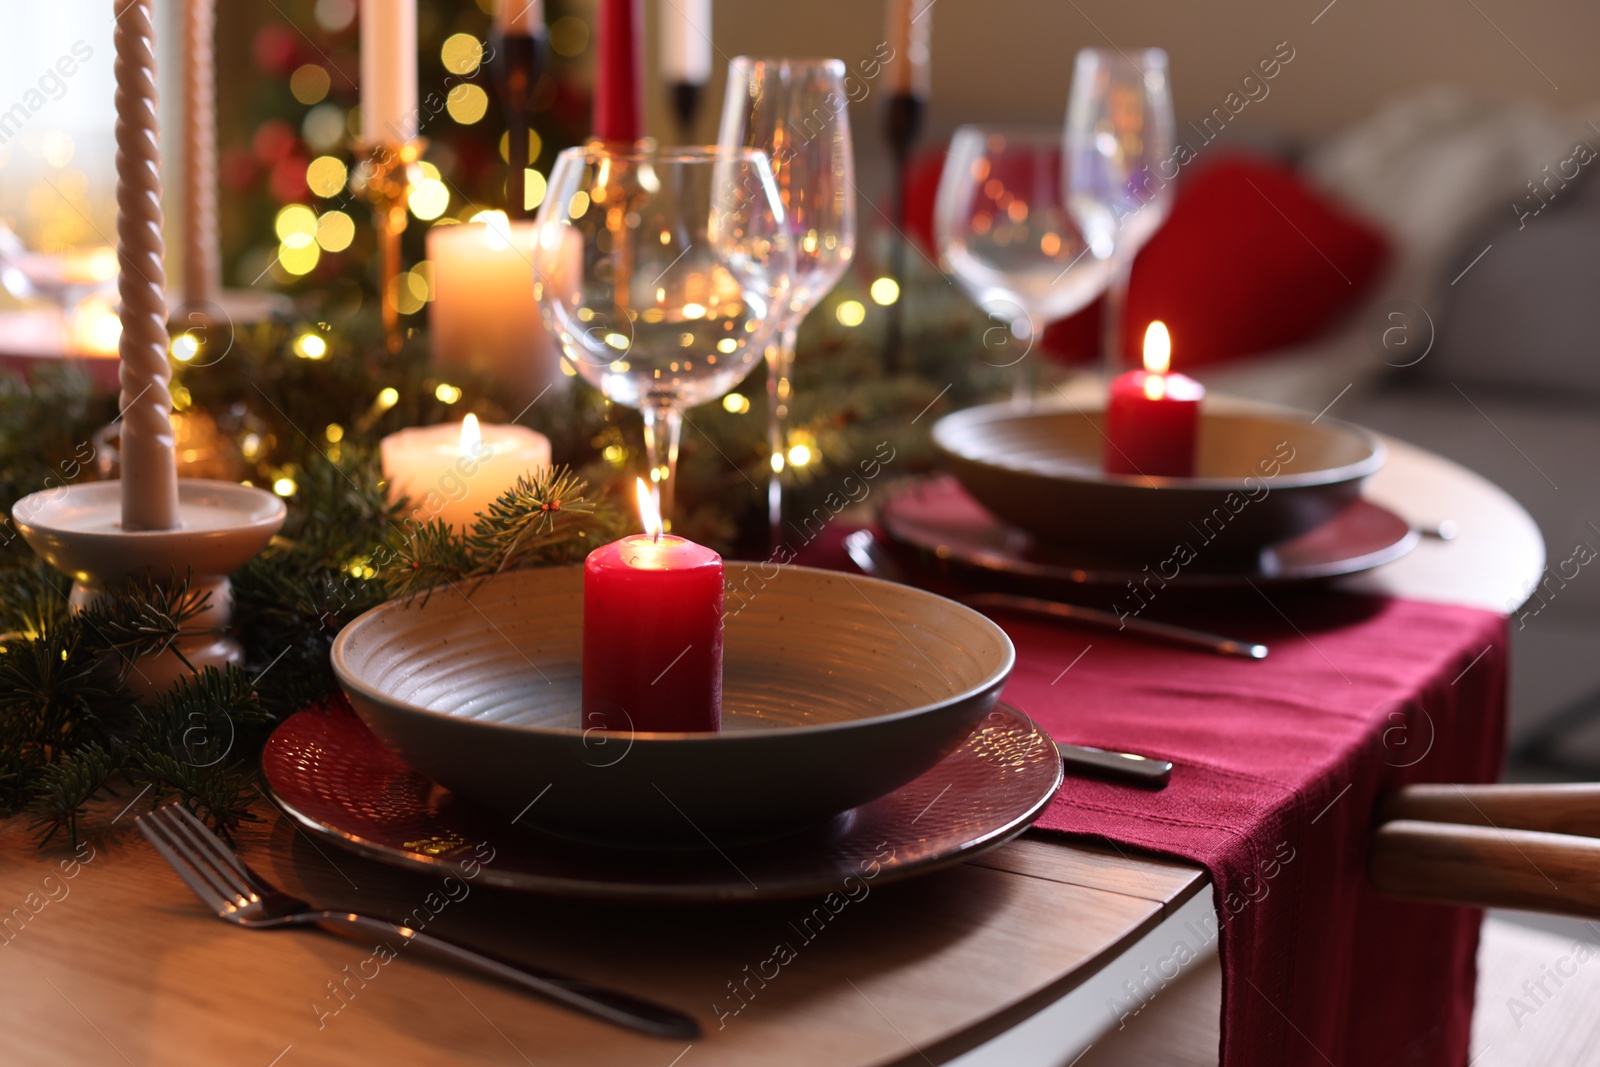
619, 66
202, 268
910, 24
388, 71
685, 41
149, 466
520, 16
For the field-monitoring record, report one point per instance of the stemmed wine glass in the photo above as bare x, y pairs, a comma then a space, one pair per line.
1005, 232
1119, 142
662, 274
796, 111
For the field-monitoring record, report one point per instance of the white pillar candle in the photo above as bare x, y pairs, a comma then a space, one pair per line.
483, 316
453, 471
520, 17
909, 29
388, 71
685, 41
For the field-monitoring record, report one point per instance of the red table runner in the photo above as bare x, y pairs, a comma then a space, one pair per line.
1280, 764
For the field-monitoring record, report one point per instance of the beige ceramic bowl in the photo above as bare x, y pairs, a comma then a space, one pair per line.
836, 689
1260, 479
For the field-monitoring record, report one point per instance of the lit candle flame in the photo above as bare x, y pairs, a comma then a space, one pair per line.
649, 512
496, 229
471, 437
1157, 348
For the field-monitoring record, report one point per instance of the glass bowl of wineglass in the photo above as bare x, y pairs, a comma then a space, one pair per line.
797, 111
662, 274
1119, 143
1005, 232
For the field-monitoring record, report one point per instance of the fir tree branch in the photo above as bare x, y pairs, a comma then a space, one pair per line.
64, 788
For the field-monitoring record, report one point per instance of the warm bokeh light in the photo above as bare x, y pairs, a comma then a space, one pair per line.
449, 394
296, 226
799, 456
326, 176
335, 231
335, 15
467, 104
428, 199
299, 259
95, 329
310, 346
309, 83
535, 146
735, 403
533, 189
1157, 348
885, 291
413, 292
323, 127
851, 313
284, 487
388, 397
184, 347
461, 53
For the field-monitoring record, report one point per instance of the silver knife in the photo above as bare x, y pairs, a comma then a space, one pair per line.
1129, 766
866, 553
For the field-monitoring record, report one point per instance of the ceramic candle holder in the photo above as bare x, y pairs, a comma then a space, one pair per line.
222, 526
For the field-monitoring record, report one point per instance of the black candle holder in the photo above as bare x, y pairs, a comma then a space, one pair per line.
520, 59
904, 124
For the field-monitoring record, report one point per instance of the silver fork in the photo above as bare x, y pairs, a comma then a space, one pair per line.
238, 895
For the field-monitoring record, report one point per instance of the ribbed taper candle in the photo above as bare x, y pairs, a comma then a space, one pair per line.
202, 268
149, 467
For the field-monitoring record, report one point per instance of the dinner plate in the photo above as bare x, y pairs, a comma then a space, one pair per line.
937, 518
333, 777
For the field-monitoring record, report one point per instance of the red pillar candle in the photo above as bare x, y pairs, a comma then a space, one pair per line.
1153, 415
619, 71
652, 632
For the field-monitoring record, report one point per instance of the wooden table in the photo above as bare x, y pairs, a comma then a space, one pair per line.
1008, 959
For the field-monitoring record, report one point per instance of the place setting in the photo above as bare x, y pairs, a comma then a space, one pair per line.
645, 510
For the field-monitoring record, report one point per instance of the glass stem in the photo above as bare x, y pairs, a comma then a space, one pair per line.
1116, 303
780, 362
663, 429
1027, 379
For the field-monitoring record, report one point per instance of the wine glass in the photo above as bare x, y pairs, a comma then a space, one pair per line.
1005, 232
1119, 140
796, 111
662, 274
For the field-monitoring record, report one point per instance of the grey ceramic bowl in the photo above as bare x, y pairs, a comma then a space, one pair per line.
836, 689
1260, 479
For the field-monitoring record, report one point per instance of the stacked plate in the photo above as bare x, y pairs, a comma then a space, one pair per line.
860, 731
1276, 498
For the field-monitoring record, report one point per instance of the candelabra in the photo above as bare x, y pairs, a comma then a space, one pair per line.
386, 181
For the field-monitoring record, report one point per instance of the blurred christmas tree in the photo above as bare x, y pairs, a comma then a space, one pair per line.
290, 113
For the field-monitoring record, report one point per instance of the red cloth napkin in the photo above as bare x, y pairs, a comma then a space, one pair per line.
1280, 764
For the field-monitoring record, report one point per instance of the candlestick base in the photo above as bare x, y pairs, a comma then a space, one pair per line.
385, 179
222, 526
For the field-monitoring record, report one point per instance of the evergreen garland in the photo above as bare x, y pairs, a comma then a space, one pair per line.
74, 730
